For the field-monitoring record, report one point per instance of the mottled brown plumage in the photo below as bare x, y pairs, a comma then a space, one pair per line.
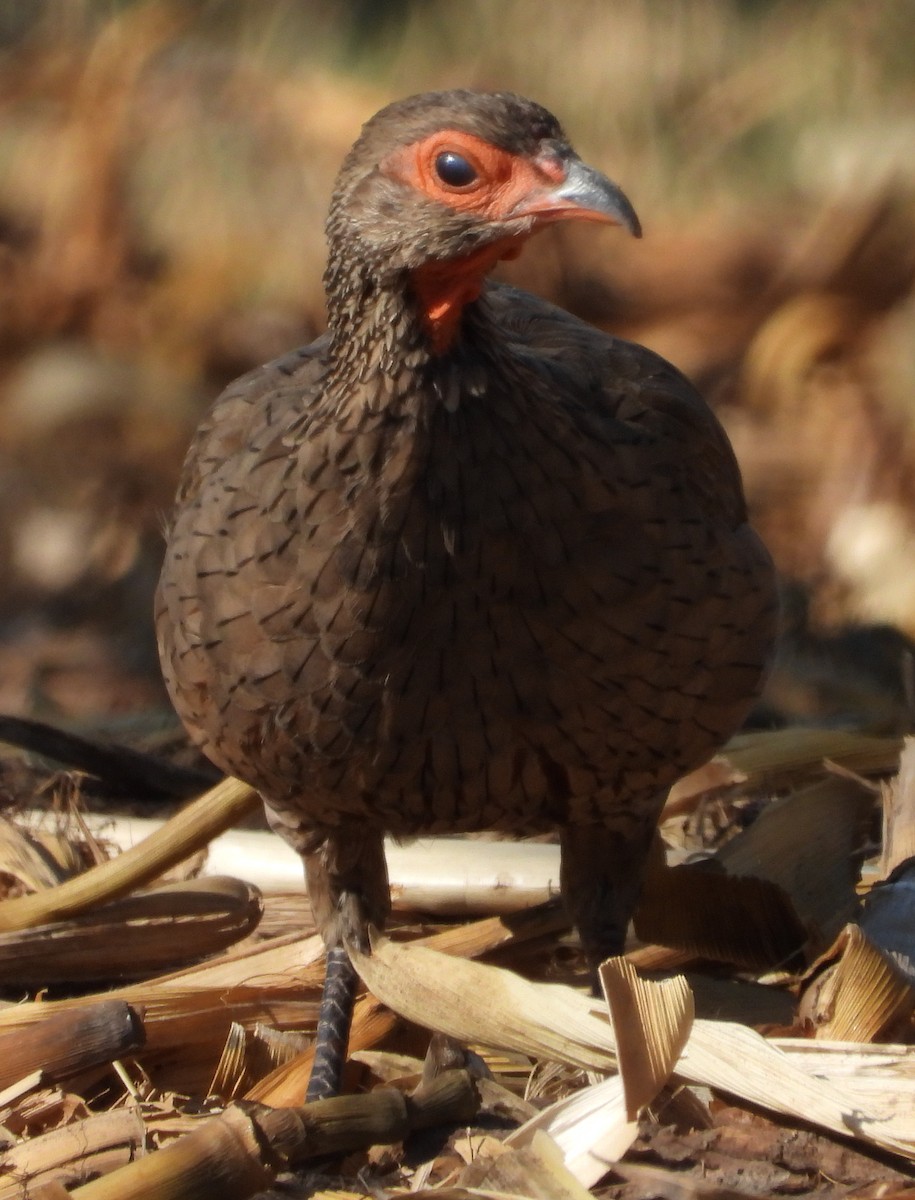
464, 562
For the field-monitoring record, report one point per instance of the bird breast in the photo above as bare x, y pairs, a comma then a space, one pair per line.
458, 615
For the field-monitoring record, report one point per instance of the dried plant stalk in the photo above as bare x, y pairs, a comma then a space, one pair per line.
241, 1151
64, 1043
346, 1123
224, 1158
72, 1154
135, 936
185, 834
448, 876
472, 876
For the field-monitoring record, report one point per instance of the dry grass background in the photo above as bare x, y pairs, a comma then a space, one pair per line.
164, 174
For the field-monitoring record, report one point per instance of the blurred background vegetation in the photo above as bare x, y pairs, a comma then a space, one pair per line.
164, 174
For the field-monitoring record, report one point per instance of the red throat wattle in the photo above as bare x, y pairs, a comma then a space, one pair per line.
444, 288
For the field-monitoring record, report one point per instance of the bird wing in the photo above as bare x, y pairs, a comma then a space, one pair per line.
623, 390
665, 598
238, 414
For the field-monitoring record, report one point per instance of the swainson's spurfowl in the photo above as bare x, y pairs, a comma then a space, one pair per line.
464, 562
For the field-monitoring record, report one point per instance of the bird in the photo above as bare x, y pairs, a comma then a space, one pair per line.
464, 562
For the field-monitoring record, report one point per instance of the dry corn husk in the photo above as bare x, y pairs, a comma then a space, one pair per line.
475, 1002
253, 1054
487, 1004
136, 936
809, 844
595, 1126
651, 1021
706, 913
782, 757
858, 994
591, 1127
535, 1168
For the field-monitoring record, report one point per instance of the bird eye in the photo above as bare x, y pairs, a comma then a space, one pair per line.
454, 170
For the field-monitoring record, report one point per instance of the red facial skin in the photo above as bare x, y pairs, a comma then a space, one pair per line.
507, 186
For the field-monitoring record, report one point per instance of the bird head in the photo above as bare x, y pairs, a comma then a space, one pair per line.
441, 186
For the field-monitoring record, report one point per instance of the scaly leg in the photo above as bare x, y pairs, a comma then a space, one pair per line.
348, 886
334, 1019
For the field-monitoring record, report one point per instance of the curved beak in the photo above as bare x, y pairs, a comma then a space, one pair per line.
584, 194
596, 197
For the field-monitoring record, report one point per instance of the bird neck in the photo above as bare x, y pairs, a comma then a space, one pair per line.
395, 323
385, 360
376, 333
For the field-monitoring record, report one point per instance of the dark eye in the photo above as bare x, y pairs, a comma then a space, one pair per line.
454, 170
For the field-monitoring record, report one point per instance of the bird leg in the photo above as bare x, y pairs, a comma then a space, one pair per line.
335, 1016
347, 881
601, 873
